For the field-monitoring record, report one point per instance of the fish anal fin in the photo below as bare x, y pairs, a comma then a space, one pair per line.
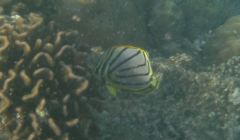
112, 90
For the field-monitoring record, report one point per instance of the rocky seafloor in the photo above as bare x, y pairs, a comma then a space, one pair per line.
193, 46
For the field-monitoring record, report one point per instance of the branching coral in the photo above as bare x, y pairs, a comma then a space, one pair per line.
47, 8
39, 84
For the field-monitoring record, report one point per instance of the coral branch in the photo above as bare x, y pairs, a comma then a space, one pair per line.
54, 127
6, 28
82, 87
24, 28
32, 136
12, 76
44, 73
40, 110
19, 36
65, 110
25, 46
35, 91
18, 64
38, 44
5, 102
1, 76
66, 98
26, 79
65, 101
35, 125
63, 49
48, 47
72, 122
19, 126
69, 75
36, 21
42, 55
4, 43
58, 38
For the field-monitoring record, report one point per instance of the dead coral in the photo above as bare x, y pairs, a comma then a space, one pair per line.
180, 60
40, 86
228, 69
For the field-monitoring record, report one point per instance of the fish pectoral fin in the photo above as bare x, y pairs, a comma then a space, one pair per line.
112, 90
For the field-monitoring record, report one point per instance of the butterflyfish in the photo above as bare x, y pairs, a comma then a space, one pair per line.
126, 68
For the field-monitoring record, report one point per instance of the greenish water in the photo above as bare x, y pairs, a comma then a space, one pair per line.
49, 89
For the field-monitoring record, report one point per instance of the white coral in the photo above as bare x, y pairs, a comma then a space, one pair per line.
235, 97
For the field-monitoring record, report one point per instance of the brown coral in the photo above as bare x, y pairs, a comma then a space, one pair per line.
224, 42
39, 83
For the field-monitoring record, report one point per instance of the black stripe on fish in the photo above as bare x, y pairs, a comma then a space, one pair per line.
104, 61
138, 74
117, 56
124, 61
134, 67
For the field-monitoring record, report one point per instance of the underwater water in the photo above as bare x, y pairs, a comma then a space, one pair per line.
119, 70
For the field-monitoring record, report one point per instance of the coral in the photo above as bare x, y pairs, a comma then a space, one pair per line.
47, 8
40, 85
228, 69
224, 42
188, 105
182, 60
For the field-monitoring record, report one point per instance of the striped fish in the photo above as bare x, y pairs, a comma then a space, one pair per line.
126, 68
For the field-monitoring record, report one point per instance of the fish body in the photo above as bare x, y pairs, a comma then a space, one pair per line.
126, 68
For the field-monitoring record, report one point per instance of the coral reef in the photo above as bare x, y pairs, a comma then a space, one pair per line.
188, 105
226, 69
40, 85
43, 76
224, 42
47, 8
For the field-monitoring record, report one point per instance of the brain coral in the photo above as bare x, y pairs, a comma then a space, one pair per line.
224, 42
39, 84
